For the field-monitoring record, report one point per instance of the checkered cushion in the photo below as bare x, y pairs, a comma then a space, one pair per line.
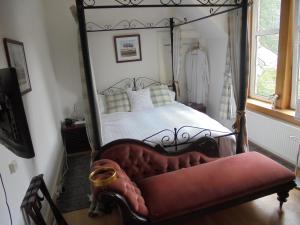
160, 95
118, 102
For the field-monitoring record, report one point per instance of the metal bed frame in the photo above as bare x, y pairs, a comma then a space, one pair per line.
215, 7
184, 137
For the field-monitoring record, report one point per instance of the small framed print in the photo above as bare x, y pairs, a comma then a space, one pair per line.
16, 58
128, 48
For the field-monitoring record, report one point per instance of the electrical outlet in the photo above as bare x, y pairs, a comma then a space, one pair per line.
13, 166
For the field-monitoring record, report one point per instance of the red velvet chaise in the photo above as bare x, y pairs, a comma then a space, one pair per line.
154, 188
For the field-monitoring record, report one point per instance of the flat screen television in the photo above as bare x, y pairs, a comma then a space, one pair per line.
14, 131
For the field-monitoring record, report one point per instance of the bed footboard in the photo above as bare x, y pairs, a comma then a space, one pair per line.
188, 138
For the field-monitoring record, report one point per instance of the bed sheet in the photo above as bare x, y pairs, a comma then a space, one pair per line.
139, 125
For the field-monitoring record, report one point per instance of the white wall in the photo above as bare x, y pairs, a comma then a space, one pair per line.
107, 71
102, 51
24, 21
62, 35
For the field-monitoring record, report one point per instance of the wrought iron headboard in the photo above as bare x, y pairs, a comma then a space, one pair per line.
130, 83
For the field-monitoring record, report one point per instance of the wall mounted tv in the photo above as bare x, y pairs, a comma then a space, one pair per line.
14, 131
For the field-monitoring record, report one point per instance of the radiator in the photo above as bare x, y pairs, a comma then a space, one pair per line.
273, 135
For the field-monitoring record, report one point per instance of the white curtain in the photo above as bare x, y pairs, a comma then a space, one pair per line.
234, 44
227, 101
86, 106
197, 76
177, 57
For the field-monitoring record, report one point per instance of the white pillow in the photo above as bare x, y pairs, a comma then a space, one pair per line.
140, 100
172, 94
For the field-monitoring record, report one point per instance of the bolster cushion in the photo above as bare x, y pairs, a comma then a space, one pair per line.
187, 190
123, 186
139, 161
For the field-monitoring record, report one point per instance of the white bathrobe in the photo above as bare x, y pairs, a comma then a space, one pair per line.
197, 76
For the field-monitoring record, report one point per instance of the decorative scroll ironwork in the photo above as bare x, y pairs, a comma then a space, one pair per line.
120, 86
144, 82
162, 3
215, 7
184, 135
130, 83
132, 24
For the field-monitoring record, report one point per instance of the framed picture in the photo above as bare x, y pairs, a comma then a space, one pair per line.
16, 58
128, 48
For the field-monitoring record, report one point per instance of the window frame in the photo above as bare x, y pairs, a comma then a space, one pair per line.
284, 85
254, 36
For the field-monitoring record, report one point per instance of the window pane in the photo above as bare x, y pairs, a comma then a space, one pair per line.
269, 15
266, 65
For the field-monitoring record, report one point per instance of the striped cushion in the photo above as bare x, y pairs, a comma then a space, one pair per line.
118, 102
160, 95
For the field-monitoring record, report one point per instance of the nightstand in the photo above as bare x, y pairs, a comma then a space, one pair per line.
198, 107
75, 138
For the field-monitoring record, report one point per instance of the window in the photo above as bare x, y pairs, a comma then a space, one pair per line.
272, 52
265, 41
296, 63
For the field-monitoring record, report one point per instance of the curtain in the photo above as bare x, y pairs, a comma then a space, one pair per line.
177, 57
86, 106
234, 45
197, 76
226, 104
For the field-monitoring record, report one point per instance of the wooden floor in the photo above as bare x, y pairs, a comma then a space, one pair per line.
264, 211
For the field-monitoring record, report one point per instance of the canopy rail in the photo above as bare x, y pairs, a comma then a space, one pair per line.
99, 4
133, 24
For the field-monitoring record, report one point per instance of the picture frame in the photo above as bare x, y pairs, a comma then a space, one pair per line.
16, 58
128, 48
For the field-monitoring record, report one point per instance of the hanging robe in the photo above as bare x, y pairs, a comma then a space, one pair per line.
197, 76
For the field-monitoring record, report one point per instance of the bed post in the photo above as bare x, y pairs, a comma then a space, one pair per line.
243, 76
87, 70
172, 55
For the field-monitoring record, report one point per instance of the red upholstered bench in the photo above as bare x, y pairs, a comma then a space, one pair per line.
189, 183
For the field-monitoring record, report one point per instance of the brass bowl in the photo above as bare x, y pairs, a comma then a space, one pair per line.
100, 182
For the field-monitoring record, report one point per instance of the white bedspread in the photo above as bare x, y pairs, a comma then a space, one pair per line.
139, 125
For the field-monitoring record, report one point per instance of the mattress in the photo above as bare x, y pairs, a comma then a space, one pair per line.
140, 125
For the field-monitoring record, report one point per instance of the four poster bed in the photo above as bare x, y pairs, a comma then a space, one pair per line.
216, 7
139, 157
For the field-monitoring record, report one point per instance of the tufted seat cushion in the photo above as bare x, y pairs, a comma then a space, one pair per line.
123, 186
188, 190
140, 162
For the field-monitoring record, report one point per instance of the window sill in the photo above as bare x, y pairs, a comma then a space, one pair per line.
286, 115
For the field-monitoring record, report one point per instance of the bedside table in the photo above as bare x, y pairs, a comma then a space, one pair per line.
75, 138
198, 107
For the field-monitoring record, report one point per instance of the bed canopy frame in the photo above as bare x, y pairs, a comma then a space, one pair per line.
216, 7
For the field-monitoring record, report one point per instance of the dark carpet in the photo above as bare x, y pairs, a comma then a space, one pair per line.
76, 187
76, 183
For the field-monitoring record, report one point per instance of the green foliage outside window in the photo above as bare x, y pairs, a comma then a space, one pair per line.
269, 19
266, 83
